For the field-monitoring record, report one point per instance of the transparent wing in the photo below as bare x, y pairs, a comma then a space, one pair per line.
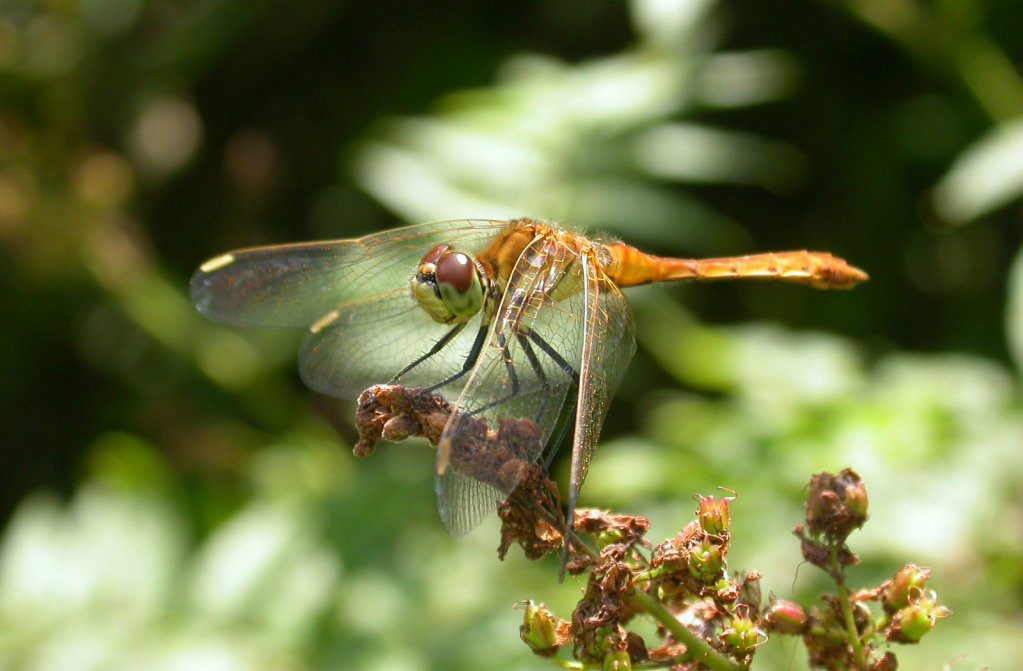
607, 347
369, 340
296, 285
511, 403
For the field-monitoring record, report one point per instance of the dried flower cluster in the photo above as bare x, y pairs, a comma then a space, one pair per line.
843, 632
706, 617
684, 579
710, 620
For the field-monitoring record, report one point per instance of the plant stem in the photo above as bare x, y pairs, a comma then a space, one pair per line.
698, 649
666, 664
847, 612
652, 573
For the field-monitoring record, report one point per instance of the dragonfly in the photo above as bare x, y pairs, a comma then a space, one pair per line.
509, 320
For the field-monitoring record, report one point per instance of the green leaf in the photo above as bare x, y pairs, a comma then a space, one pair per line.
986, 176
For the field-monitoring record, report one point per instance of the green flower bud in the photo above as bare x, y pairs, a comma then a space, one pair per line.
706, 561
539, 629
911, 623
742, 635
610, 537
617, 660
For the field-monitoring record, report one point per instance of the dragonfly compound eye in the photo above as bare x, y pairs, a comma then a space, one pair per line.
456, 269
434, 254
460, 286
447, 286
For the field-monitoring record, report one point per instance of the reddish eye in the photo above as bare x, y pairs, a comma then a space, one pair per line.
456, 270
434, 254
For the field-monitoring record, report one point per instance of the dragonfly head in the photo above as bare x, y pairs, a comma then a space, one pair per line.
448, 285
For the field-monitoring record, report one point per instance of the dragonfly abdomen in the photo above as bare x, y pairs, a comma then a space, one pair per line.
631, 267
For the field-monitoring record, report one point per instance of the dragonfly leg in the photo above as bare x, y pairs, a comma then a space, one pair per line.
534, 363
567, 413
567, 420
555, 357
513, 379
470, 360
437, 346
568, 410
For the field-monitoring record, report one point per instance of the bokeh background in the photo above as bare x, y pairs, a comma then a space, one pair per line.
173, 498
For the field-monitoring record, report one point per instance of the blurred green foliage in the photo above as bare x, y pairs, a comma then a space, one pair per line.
175, 500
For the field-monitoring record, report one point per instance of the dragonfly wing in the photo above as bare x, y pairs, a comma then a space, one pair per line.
369, 340
464, 501
296, 285
511, 403
608, 345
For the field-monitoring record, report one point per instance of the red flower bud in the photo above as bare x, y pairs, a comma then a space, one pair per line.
906, 584
713, 514
786, 617
856, 499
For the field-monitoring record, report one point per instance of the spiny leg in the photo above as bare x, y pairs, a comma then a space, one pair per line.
534, 363
555, 357
567, 420
437, 347
513, 379
567, 412
470, 359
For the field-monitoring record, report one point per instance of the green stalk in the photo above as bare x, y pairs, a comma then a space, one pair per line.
698, 649
847, 612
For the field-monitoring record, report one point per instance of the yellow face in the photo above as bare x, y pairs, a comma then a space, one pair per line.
448, 286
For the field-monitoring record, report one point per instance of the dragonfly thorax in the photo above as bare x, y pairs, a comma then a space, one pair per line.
449, 285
